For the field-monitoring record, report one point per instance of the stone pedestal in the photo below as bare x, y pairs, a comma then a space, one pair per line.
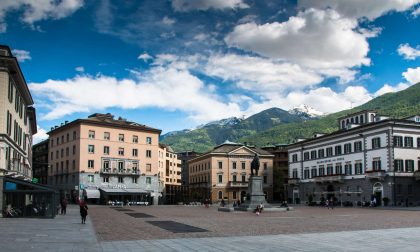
255, 194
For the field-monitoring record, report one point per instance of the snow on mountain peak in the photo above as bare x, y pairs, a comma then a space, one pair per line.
306, 110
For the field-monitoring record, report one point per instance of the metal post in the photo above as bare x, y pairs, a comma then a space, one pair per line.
394, 194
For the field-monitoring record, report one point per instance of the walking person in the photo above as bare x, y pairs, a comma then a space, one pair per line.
83, 211
63, 206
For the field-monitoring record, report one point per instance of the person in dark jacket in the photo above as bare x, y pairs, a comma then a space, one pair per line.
83, 211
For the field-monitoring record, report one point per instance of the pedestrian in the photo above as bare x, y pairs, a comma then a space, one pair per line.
83, 211
238, 202
327, 204
332, 203
63, 206
222, 203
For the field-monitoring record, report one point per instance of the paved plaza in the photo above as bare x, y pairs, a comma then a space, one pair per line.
182, 228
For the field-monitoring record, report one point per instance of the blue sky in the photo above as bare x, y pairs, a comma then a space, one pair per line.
176, 64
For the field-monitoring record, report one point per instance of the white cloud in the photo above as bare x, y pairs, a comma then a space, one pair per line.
412, 75
409, 52
165, 88
188, 5
370, 9
80, 69
40, 135
145, 57
416, 12
21, 55
168, 21
34, 11
314, 38
259, 74
391, 89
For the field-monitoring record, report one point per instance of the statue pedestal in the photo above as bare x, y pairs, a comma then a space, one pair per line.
255, 194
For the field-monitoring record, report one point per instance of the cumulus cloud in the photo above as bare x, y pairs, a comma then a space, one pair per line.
168, 21
145, 57
416, 12
409, 52
370, 9
165, 88
21, 55
34, 11
40, 135
391, 89
188, 5
412, 75
80, 69
314, 38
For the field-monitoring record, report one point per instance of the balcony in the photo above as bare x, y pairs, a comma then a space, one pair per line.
127, 172
237, 184
417, 175
380, 174
293, 181
337, 178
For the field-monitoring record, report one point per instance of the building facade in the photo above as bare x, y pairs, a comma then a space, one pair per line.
223, 173
185, 157
105, 159
371, 156
40, 162
169, 174
280, 170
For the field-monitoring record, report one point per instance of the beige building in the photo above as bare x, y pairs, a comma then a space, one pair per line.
223, 173
105, 159
169, 166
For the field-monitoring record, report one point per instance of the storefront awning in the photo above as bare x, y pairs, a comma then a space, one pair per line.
115, 191
92, 193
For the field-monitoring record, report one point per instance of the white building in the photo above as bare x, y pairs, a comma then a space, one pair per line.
370, 155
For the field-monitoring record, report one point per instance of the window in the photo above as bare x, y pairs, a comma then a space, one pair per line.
121, 151
305, 173
321, 170
329, 169
233, 165
67, 151
74, 149
418, 143
347, 148
338, 169
243, 178
106, 165
306, 156
329, 151
135, 139
398, 141
10, 93
294, 158
148, 140
121, 180
376, 165
91, 149
358, 146
135, 168
90, 164
234, 195
338, 150
220, 194
220, 178
265, 179
121, 137
106, 180
9, 126
220, 165
91, 134
294, 173
134, 180
234, 178
74, 135
409, 165
376, 143
73, 165
320, 153
107, 136
313, 154
358, 168
398, 165
243, 165
148, 167
90, 178
265, 166
106, 150
135, 152
408, 142
148, 153
313, 172
348, 169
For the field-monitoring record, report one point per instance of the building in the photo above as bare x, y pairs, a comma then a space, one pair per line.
370, 156
40, 162
169, 173
280, 170
105, 159
185, 157
17, 125
223, 173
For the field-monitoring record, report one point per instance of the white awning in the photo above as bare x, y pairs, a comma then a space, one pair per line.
113, 190
92, 193
135, 190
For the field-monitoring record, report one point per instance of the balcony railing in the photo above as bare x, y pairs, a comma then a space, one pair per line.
293, 181
120, 171
237, 184
380, 174
330, 179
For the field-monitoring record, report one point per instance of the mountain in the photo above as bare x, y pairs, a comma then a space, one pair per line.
306, 111
205, 137
279, 126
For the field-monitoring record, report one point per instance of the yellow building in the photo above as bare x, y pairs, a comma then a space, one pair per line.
223, 173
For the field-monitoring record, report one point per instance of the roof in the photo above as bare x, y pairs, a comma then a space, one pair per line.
357, 113
108, 120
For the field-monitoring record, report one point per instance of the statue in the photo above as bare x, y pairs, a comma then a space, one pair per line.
255, 165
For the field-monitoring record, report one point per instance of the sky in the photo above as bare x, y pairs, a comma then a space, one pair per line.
177, 64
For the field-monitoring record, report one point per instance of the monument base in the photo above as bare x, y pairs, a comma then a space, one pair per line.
255, 194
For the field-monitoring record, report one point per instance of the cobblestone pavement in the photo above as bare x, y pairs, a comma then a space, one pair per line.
305, 229
113, 225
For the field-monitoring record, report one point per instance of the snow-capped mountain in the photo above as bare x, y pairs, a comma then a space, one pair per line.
224, 122
306, 111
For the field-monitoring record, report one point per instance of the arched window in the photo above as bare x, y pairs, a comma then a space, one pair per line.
361, 119
372, 118
220, 195
357, 120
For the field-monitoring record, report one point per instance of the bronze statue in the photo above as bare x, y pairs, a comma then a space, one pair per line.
255, 165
